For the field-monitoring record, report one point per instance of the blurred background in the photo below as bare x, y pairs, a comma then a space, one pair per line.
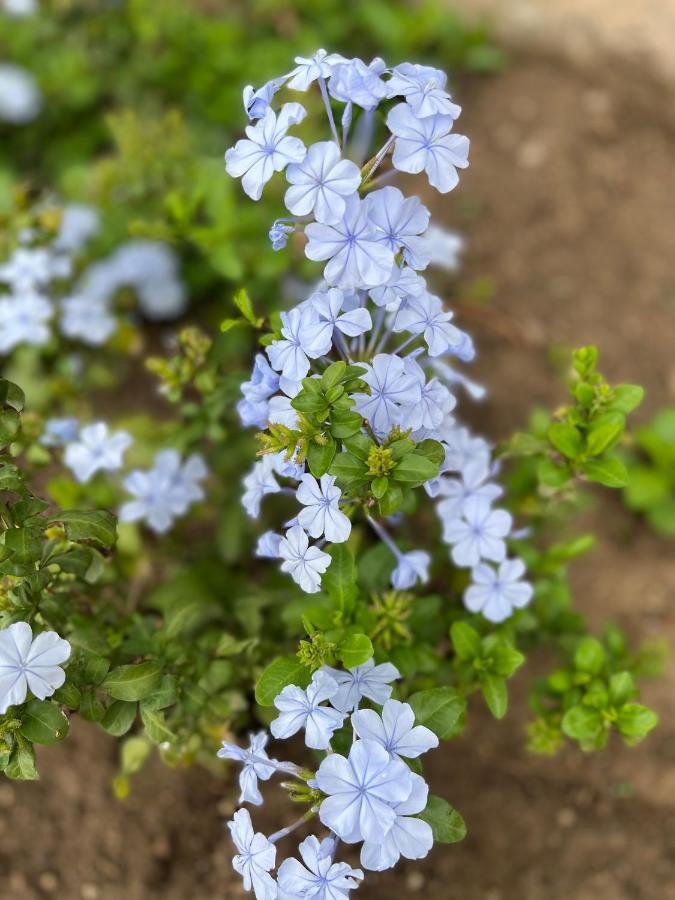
568, 217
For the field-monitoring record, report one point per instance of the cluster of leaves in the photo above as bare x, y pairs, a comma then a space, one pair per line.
581, 439
589, 698
651, 473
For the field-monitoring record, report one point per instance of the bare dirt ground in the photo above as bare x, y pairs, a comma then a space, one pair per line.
568, 208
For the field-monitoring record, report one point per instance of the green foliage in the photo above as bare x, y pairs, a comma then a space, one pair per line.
650, 459
580, 442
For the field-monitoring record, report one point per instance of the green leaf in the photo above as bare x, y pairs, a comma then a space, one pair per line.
320, 457
344, 423
635, 721
646, 488
551, 474
440, 709
95, 526
135, 751
433, 450
393, 500
565, 438
11, 395
621, 688
42, 722
10, 425
119, 717
21, 766
24, 543
446, 823
465, 640
495, 693
228, 324
359, 445
91, 708
609, 472
243, 303
605, 432
506, 659
589, 656
584, 724
627, 397
333, 375
339, 579
280, 672
11, 478
379, 487
166, 695
155, 725
662, 518
355, 650
415, 469
133, 682
347, 466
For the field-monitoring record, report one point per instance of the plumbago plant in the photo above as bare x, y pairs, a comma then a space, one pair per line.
355, 401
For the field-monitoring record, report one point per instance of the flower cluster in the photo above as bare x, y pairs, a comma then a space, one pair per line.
370, 796
41, 281
355, 396
160, 494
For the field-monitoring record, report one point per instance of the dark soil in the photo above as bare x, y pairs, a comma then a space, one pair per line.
568, 209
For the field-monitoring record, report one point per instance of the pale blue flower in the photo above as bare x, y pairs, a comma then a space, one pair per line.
30, 664
266, 150
411, 568
165, 491
464, 449
96, 450
427, 145
28, 268
263, 383
278, 234
403, 282
303, 563
23, 320
328, 307
433, 407
255, 858
257, 102
255, 765
424, 90
268, 545
288, 468
302, 709
280, 412
59, 432
497, 592
321, 515
356, 258
259, 482
443, 247
151, 269
353, 81
395, 730
451, 376
400, 222
478, 534
320, 878
409, 836
361, 790
291, 354
88, 319
79, 224
309, 69
19, 8
20, 96
367, 680
391, 389
424, 314
472, 482
321, 182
